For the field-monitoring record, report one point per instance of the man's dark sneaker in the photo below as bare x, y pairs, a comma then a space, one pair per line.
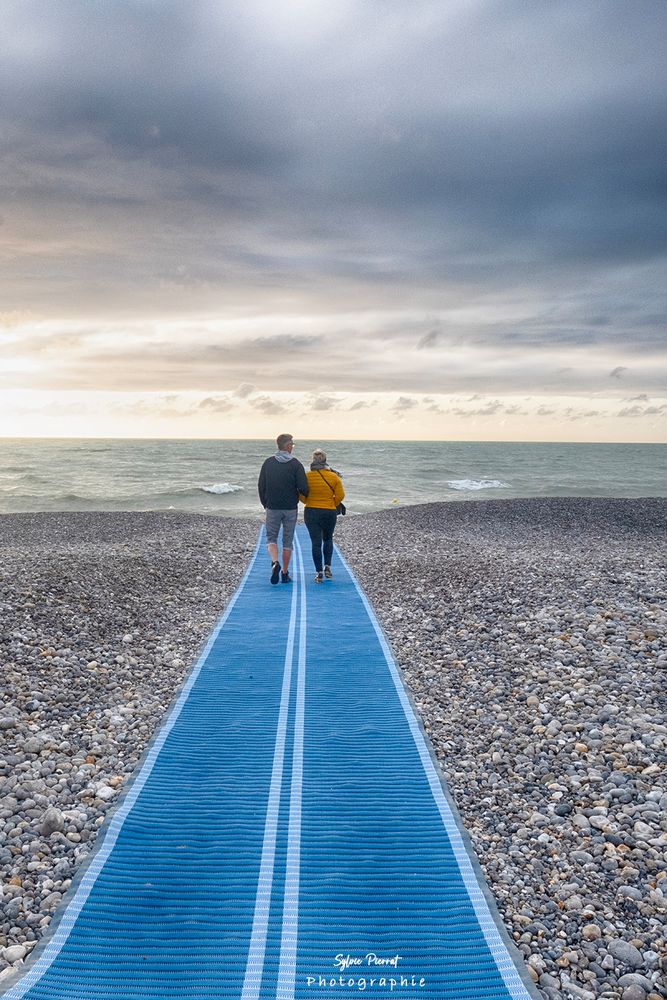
327, 572
285, 577
318, 578
275, 572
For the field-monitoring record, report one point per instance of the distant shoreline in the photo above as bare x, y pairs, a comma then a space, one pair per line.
496, 505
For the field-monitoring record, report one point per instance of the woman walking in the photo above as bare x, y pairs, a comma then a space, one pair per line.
325, 493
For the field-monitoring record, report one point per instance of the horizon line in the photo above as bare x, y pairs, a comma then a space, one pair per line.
109, 437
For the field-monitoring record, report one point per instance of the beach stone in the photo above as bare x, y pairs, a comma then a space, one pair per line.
635, 979
53, 821
630, 892
591, 932
32, 745
625, 952
658, 900
633, 993
537, 963
574, 992
14, 953
104, 791
50, 902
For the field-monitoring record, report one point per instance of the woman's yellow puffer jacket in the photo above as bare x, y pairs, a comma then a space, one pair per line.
320, 487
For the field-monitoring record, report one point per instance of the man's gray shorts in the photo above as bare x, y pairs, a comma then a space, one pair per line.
276, 518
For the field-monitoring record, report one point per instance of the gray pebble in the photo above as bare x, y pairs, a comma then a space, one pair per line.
574, 992
53, 821
625, 952
635, 979
633, 993
14, 953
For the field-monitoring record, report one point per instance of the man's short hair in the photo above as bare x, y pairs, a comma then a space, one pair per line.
282, 440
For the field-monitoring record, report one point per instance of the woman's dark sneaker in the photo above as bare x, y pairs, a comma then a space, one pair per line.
275, 572
285, 577
327, 572
318, 578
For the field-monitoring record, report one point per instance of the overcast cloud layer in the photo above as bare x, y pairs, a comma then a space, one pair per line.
337, 196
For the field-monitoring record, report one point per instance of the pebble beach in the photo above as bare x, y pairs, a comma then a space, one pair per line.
531, 633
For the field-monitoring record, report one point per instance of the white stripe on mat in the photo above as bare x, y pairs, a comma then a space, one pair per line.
288, 941
255, 964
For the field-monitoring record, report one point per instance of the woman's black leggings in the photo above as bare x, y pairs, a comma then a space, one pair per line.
321, 523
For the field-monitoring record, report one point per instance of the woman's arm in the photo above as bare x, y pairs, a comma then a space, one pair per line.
339, 491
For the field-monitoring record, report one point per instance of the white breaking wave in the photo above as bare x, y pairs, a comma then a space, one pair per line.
222, 488
478, 484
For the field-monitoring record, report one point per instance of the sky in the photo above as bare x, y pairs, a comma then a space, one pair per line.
340, 218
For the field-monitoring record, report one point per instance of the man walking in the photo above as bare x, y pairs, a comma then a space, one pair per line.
281, 479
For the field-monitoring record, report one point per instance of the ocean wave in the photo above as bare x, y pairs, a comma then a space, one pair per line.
478, 484
218, 488
22, 476
191, 492
45, 497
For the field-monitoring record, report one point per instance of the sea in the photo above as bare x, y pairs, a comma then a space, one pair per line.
220, 476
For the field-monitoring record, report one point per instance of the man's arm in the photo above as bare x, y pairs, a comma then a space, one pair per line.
261, 485
301, 480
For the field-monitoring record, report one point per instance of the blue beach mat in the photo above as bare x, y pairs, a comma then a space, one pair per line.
287, 834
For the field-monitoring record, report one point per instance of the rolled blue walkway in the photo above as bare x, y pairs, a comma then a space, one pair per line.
287, 834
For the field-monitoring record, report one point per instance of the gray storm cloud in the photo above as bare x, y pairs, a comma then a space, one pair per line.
169, 160
323, 403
